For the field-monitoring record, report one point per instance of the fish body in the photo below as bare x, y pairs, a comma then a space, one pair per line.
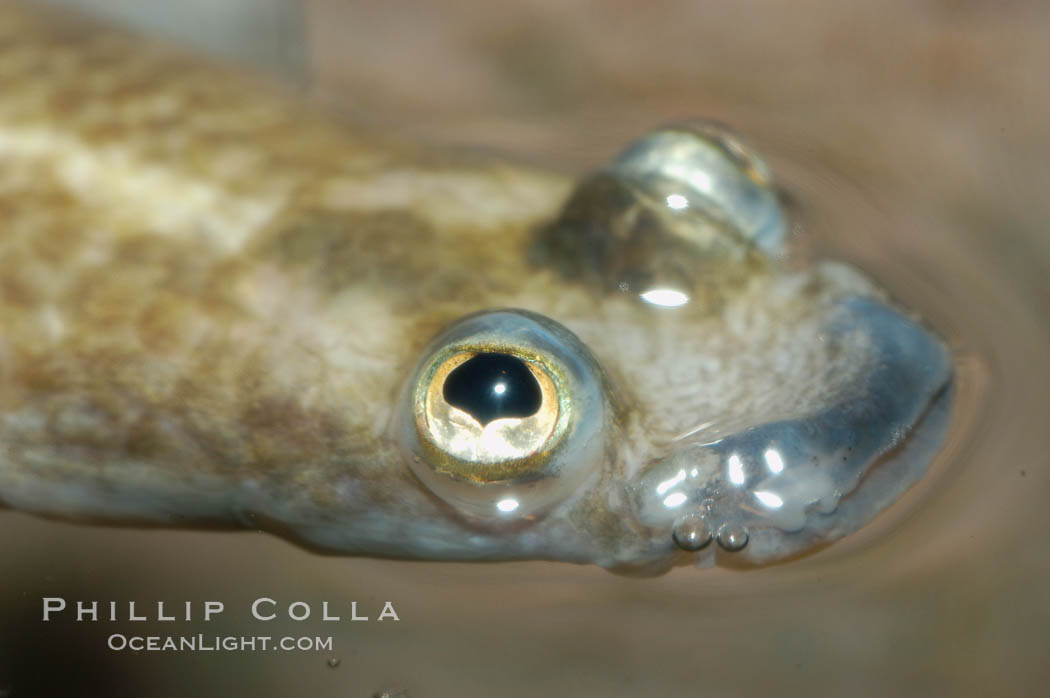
218, 307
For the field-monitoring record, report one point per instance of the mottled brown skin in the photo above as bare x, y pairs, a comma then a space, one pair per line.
169, 340
212, 298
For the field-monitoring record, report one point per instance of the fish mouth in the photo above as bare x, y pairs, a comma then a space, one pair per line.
780, 489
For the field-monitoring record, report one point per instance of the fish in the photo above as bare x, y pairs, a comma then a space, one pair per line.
220, 307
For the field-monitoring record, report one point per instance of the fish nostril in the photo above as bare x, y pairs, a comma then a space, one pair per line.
492, 386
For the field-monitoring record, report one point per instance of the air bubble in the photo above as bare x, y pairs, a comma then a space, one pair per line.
732, 537
691, 533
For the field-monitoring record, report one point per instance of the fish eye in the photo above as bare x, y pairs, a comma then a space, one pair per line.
685, 211
491, 411
502, 417
704, 168
490, 386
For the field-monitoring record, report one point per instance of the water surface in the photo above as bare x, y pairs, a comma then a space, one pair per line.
912, 142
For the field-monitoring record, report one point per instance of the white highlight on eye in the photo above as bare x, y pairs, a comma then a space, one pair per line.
769, 499
665, 297
668, 484
499, 388
674, 500
736, 470
701, 180
507, 505
774, 461
677, 202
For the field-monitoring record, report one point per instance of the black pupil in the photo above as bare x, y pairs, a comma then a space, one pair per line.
493, 386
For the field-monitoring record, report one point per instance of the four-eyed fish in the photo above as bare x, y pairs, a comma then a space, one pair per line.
218, 308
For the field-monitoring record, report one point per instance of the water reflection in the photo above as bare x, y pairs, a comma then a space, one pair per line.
665, 297
735, 469
769, 499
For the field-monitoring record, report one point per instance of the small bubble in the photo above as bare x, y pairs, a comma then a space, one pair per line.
690, 532
334, 662
732, 538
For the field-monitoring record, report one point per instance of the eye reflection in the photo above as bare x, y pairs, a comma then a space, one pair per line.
677, 202
507, 505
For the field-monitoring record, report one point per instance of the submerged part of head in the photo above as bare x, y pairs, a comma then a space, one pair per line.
787, 485
683, 210
504, 415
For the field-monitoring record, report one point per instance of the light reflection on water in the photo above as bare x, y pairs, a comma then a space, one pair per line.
927, 184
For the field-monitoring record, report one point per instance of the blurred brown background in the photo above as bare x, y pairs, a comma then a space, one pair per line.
941, 103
